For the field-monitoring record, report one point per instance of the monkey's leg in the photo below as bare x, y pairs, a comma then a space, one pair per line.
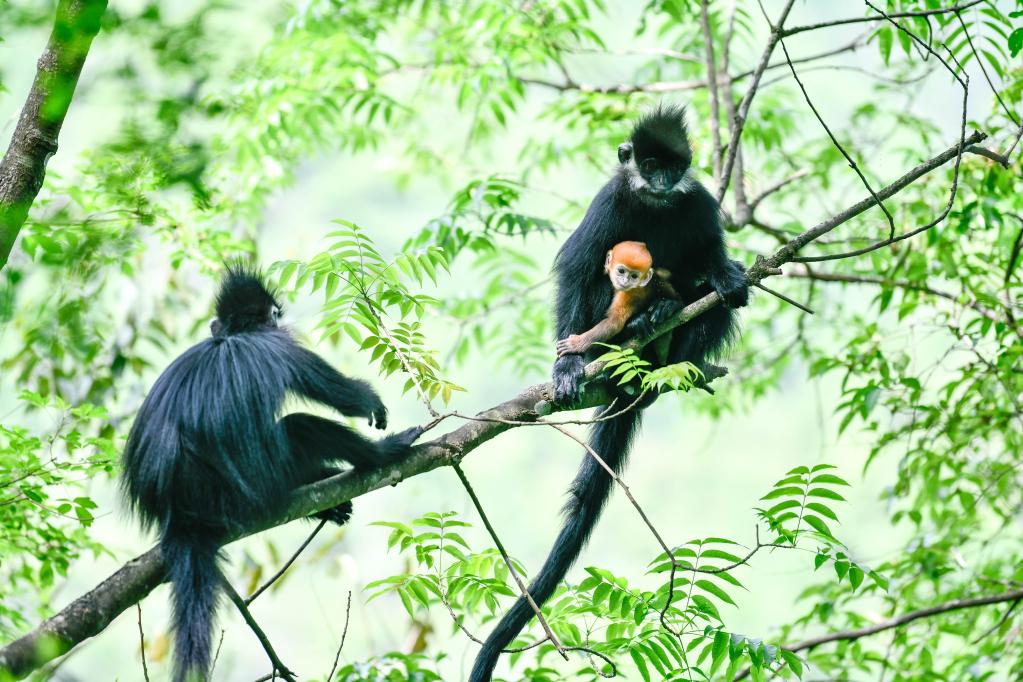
315, 442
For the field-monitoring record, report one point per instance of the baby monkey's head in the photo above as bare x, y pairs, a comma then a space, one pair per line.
629, 265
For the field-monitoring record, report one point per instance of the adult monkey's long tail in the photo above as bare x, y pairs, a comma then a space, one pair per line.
589, 492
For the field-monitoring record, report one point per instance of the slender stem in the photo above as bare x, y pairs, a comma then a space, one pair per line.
712, 82
736, 126
275, 661
142, 643
896, 15
337, 656
276, 576
508, 562
838, 145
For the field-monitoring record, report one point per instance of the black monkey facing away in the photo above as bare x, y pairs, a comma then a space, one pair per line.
209, 455
653, 199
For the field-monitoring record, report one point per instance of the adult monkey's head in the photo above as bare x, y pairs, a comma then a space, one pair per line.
657, 157
245, 303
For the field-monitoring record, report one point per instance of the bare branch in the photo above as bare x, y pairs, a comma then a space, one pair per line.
508, 562
896, 283
344, 634
737, 123
34, 141
264, 641
142, 643
898, 622
964, 82
775, 187
712, 81
895, 15
838, 145
276, 576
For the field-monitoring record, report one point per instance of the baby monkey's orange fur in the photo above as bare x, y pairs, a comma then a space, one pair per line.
636, 283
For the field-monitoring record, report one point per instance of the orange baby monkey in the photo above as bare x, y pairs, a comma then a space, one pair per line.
636, 283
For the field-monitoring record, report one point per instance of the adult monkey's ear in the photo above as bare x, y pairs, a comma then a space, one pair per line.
624, 152
607, 261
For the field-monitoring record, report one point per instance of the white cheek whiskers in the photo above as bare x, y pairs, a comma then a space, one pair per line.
636, 179
685, 183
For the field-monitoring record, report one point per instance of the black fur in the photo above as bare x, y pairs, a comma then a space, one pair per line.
209, 456
679, 221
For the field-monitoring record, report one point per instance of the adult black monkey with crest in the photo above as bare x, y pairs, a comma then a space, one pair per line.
653, 199
209, 454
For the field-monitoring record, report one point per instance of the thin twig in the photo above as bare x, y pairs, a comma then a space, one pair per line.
838, 145
983, 69
964, 82
736, 125
897, 622
712, 89
142, 643
442, 589
772, 188
276, 576
859, 20
508, 562
275, 661
337, 656
895, 283
785, 298
216, 656
1001, 621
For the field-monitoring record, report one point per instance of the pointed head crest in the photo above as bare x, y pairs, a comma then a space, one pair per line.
662, 134
244, 302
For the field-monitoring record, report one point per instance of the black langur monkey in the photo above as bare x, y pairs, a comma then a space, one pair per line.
652, 199
209, 456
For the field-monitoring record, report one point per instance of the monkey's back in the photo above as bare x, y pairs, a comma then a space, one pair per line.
206, 449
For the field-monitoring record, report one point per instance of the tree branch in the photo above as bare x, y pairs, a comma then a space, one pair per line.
737, 123
35, 137
91, 613
894, 15
898, 621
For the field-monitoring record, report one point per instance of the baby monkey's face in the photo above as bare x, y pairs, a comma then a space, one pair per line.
624, 278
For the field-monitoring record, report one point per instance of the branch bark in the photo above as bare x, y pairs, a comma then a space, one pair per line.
35, 137
898, 621
91, 613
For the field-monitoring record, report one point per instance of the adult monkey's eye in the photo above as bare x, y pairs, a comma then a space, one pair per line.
624, 152
649, 165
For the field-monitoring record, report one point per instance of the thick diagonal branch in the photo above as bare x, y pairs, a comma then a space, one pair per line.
35, 137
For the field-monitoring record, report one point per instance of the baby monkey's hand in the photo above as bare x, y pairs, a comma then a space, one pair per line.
573, 344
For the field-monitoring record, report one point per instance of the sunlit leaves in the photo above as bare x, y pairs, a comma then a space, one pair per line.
368, 299
44, 516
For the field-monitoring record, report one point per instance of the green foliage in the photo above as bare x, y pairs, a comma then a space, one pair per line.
367, 299
668, 626
509, 114
45, 511
625, 365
